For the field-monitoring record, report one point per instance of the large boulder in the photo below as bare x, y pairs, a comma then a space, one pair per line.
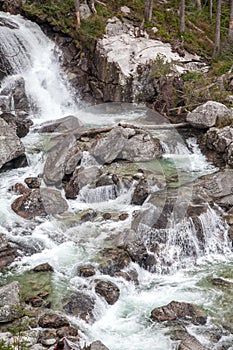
7, 252
218, 186
62, 159
108, 290
9, 301
61, 125
21, 126
52, 320
129, 144
16, 90
221, 142
11, 147
39, 202
209, 114
80, 305
188, 341
113, 260
175, 311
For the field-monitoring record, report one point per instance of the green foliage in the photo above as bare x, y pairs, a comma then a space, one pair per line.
221, 66
192, 76
160, 67
4, 345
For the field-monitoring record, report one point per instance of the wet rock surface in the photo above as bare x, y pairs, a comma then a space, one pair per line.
113, 260
127, 144
7, 252
11, 146
39, 202
80, 305
179, 311
9, 301
108, 290
52, 321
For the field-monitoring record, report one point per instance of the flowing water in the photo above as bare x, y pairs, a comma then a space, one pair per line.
66, 244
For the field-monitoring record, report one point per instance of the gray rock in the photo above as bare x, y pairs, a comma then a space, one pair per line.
127, 144
21, 126
97, 345
39, 202
10, 145
69, 123
80, 305
179, 311
62, 159
9, 301
209, 114
108, 290
7, 252
188, 341
219, 186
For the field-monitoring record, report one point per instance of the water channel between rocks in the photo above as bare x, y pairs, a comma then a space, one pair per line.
184, 270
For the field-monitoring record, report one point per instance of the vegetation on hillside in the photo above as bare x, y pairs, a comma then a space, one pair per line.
198, 36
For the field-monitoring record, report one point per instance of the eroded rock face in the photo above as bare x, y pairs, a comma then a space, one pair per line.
11, 147
219, 187
188, 341
80, 305
179, 311
39, 202
209, 114
53, 321
62, 158
9, 300
7, 253
21, 126
108, 290
113, 260
120, 143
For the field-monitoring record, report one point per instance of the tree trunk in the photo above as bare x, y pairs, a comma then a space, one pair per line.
182, 16
148, 10
217, 41
198, 2
211, 9
77, 10
230, 31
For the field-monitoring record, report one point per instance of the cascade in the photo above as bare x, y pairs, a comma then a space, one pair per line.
66, 242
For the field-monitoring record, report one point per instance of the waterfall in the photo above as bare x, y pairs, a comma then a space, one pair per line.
35, 58
182, 244
71, 240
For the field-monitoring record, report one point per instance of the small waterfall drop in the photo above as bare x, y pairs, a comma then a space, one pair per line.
31, 55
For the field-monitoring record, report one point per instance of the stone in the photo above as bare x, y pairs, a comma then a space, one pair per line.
125, 10
39, 202
97, 345
19, 188
81, 305
108, 290
21, 126
52, 320
86, 271
7, 252
67, 331
188, 341
11, 147
140, 193
43, 268
175, 311
222, 282
209, 114
9, 301
62, 158
18, 93
219, 187
33, 182
66, 124
120, 143
113, 260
